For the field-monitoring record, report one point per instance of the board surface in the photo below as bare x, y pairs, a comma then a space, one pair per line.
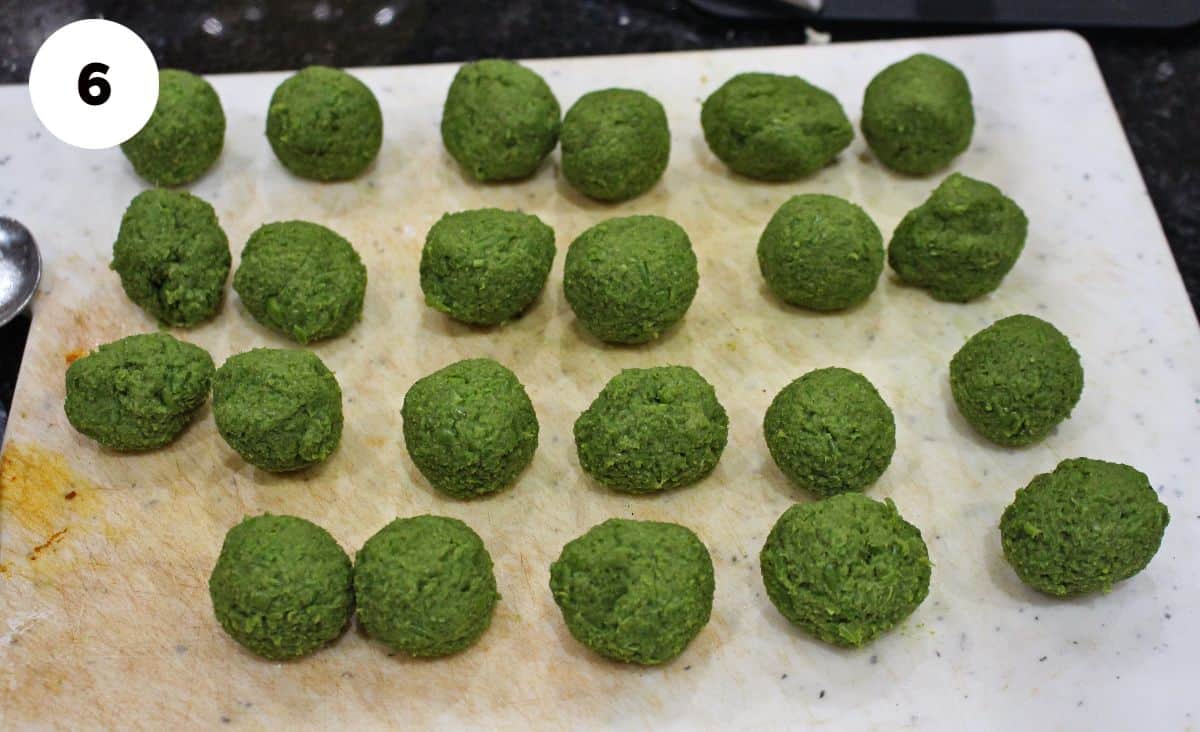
104, 558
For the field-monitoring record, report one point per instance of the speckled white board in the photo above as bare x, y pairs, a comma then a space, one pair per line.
104, 614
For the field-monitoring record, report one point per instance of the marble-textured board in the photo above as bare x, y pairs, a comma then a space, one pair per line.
104, 614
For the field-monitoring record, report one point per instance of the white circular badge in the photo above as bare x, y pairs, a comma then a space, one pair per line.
94, 84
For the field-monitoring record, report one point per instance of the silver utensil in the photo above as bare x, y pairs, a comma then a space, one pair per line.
20, 268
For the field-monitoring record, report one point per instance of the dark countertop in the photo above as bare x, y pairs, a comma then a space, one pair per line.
1153, 76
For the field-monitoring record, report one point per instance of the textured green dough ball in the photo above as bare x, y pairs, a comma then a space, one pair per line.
1083, 528
280, 409
615, 144
821, 252
470, 427
846, 569
917, 114
830, 432
500, 120
634, 591
139, 392
282, 586
324, 124
184, 135
172, 257
774, 127
486, 266
302, 280
652, 430
425, 586
961, 242
1016, 380
629, 279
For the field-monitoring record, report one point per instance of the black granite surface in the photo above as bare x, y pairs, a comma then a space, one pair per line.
1154, 76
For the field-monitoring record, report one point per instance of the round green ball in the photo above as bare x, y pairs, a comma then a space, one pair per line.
280, 409
500, 120
830, 432
961, 242
652, 430
172, 257
615, 144
282, 587
774, 127
846, 569
324, 124
302, 280
139, 392
486, 266
821, 252
634, 591
917, 114
1083, 528
470, 427
629, 279
1016, 380
425, 586
184, 135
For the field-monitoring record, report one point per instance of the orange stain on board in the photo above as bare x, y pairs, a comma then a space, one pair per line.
41, 493
54, 539
73, 356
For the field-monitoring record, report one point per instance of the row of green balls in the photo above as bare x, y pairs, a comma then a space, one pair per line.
500, 120
845, 570
633, 591
628, 279
471, 428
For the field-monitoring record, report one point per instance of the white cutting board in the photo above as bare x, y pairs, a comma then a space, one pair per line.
109, 623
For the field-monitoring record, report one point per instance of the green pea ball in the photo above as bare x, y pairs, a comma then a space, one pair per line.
634, 591
500, 120
324, 124
282, 587
184, 135
845, 570
830, 432
821, 252
630, 279
1083, 528
652, 430
280, 409
917, 114
470, 428
425, 586
172, 257
139, 392
774, 127
961, 242
302, 280
486, 266
615, 144
1016, 380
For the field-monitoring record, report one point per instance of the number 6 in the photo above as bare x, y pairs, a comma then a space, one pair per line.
93, 88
